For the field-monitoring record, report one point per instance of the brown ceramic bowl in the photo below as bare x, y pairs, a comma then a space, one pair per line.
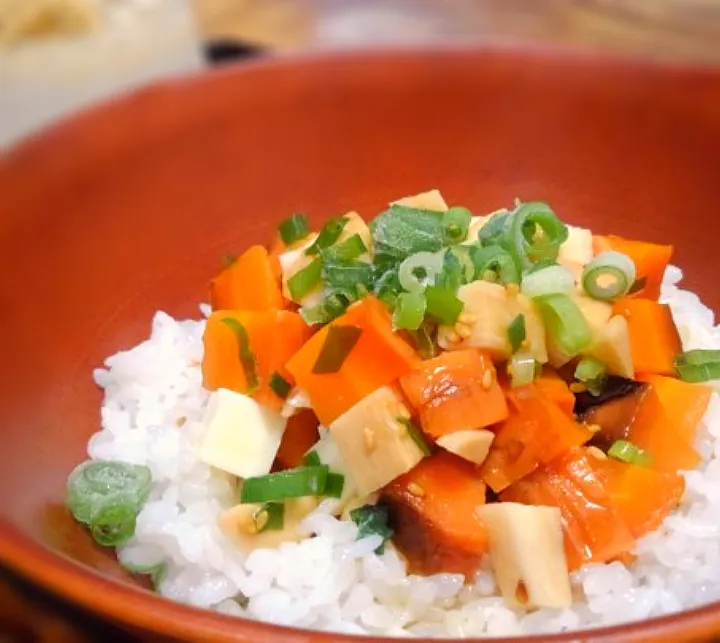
126, 209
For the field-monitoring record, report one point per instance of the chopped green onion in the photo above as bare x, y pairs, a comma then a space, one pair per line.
698, 365
349, 249
113, 521
275, 516
334, 485
409, 310
352, 278
637, 286
535, 233
387, 287
157, 572
416, 435
419, 271
495, 231
276, 487
424, 341
339, 342
443, 304
312, 459
293, 229
305, 280
592, 373
91, 484
334, 305
456, 222
627, 452
547, 281
522, 369
329, 234
247, 358
400, 231
565, 323
228, 260
280, 385
458, 268
498, 262
516, 332
608, 276
372, 520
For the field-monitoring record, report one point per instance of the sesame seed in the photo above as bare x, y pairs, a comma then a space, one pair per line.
403, 412
577, 387
180, 421
512, 289
414, 489
593, 428
463, 331
453, 337
525, 344
596, 453
467, 318
260, 519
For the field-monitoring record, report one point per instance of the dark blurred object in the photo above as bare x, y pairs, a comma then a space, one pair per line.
220, 52
28, 615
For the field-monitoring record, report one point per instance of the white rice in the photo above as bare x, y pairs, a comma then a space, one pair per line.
333, 582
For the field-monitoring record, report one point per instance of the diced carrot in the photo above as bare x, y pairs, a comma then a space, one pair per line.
249, 283
454, 391
594, 528
378, 358
432, 510
556, 389
536, 432
274, 337
643, 497
301, 432
666, 423
654, 339
650, 259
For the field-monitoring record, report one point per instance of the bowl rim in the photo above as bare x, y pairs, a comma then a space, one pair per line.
139, 609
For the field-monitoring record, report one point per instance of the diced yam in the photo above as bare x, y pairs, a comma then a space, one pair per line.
242, 437
473, 445
431, 200
375, 446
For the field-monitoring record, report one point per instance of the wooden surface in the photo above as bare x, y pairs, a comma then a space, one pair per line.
668, 29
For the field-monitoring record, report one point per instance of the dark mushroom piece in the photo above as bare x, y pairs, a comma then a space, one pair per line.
613, 411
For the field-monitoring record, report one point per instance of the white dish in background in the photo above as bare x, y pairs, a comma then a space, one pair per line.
137, 41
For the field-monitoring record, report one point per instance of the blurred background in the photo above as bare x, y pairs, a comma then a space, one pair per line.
58, 56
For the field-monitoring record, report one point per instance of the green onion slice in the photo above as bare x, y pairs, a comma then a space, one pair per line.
334, 305
535, 233
495, 231
522, 369
351, 278
424, 340
419, 271
609, 275
400, 232
698, 365
305, 280
372, 520
247, 358
276, 487
113, 521
280, 385
334, 485
409, 311
565, 323
93, 482
349, 249
591, 372
493, 263
312, 459
293, 229
627, 452
516, 332
338, 345
415, 434
443, 304
548, 281
456, 223
275, 516
329, 234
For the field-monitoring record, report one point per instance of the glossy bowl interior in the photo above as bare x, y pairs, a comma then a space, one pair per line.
127, 209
